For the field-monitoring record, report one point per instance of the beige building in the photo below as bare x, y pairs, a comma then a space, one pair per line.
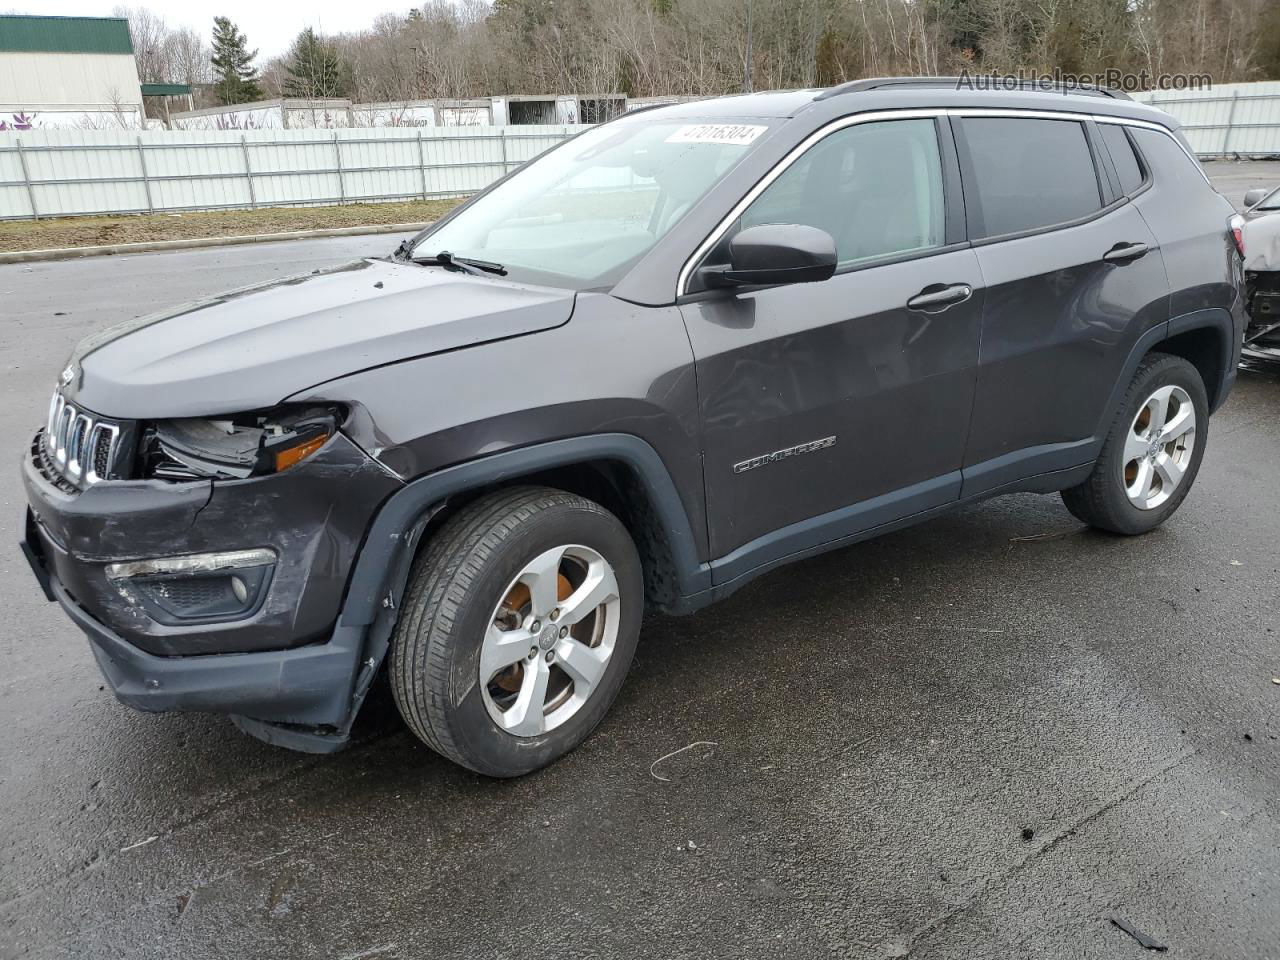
75, 72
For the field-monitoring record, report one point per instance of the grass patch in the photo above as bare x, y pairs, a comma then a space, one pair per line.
94, 231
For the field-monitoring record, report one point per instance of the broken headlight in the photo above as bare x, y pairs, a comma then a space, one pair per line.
233, 448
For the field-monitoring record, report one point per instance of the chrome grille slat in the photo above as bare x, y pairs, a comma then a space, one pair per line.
75, 441
99, 463
66, 416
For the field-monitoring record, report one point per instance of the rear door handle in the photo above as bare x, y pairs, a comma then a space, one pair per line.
938, 296
1125, 253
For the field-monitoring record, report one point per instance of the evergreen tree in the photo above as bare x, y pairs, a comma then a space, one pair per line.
235, 79
315, 69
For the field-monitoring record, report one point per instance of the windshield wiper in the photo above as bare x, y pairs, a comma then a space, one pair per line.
466, 264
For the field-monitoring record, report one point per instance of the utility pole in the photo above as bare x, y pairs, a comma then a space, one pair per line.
746, 63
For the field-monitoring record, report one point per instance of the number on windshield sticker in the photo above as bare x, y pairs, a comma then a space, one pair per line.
739, 134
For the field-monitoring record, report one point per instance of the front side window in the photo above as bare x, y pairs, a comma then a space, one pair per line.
580, 216
875, 187
1030, 174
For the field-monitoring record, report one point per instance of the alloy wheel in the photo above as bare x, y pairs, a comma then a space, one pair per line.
1158, 447
549, 640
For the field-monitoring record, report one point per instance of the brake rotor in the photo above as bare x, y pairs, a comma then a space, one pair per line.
517, 598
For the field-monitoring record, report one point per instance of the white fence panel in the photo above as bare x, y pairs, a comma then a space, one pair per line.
76, 173
1228, 120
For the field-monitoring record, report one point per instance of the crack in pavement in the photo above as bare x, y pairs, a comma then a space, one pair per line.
1134, 786
179, 826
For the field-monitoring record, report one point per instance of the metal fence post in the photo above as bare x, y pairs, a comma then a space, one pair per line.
337, 152
422, 164
26, 178
502, 138
1231, 119
146, 183
248, 173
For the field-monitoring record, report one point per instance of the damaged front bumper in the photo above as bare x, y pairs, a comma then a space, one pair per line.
166, 627
1262, 335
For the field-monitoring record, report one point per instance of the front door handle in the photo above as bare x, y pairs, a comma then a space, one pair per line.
1125, 253
938, 296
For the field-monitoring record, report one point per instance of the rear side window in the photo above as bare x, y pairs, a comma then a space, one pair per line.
1122, 155
1168, 161
1030, 173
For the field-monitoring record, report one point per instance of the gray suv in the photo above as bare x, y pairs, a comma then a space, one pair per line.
675, 352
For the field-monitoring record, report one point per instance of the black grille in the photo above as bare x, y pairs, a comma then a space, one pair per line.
195, 592
44, 463
102, 455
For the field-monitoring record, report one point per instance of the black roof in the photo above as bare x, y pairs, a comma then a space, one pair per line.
1013, 85
888, 93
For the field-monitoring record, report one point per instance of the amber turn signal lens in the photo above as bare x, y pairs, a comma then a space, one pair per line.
287, 458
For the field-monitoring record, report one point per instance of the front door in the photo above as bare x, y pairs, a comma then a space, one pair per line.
828, 408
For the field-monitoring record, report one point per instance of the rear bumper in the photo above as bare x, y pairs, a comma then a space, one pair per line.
309, 686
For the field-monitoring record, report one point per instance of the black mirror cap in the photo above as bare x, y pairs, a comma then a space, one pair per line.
1255, 196
781, 253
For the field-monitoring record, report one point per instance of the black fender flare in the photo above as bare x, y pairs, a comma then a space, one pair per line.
393, 528
1218, 319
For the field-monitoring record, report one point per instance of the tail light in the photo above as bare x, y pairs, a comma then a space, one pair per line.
1237, 233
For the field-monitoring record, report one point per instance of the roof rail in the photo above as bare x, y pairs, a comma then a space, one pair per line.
1031, 86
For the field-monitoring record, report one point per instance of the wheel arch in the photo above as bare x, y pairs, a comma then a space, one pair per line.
1203, 339
620, 471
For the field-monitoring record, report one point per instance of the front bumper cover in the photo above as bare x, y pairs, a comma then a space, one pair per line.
284, 673
313, 517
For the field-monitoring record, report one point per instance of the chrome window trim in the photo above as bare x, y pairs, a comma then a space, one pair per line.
686, 271
1148, 125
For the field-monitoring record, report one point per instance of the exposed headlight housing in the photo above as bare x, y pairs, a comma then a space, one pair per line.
237, 447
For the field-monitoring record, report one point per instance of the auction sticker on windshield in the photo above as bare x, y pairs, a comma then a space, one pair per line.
736, 133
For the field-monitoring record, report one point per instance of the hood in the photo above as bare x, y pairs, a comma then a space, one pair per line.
255, 346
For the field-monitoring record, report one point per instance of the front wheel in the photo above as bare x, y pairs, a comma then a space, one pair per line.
1153, 452
520, 621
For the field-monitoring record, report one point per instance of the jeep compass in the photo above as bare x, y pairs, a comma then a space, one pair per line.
674, 352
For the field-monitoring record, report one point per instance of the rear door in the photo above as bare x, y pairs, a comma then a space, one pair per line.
1074, 277
827, 408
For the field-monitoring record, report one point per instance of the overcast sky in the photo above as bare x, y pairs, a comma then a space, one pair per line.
270, 25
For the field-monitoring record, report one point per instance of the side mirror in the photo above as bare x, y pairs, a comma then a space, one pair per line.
1255, 196
779, 253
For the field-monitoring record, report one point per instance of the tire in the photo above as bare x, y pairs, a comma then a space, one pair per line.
474, 577
1107, 499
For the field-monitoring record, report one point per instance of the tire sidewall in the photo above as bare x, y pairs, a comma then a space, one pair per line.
495, 751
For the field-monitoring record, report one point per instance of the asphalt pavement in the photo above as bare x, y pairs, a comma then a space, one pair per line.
984, 737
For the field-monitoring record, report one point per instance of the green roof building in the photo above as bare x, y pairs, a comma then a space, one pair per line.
74, 72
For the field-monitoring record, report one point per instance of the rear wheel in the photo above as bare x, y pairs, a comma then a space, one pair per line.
520, 621
1152, 455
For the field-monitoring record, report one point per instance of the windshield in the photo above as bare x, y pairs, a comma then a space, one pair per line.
1270, 202
581, 215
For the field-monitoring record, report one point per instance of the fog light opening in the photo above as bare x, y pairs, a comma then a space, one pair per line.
198, 588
